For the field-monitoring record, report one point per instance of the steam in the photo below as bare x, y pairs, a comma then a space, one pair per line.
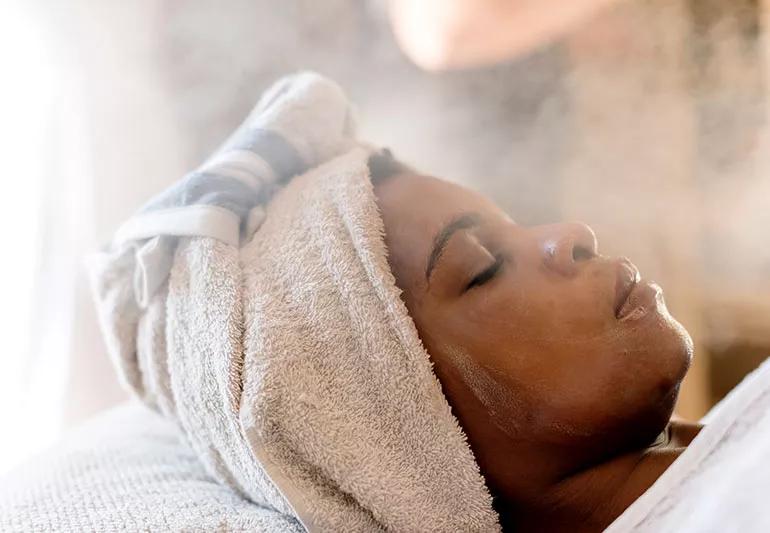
649, 123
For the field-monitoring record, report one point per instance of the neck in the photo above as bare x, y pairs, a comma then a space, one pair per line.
590, 499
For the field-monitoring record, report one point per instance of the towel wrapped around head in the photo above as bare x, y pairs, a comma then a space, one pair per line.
252, 303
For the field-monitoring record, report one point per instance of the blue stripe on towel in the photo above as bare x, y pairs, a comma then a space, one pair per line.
209, 188
282, 157
206, 188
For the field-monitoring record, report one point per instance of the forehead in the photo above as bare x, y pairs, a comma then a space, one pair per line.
415, 208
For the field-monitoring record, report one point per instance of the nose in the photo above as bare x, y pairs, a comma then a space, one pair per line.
566, 246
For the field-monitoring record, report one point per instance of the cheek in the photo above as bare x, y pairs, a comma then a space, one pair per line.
544, 311
575, 374
501, 403
628, 378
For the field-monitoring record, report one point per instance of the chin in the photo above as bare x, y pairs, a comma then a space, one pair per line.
648, 414
677, 352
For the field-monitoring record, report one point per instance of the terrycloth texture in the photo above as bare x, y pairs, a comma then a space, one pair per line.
127, 470
721, 483
266, 321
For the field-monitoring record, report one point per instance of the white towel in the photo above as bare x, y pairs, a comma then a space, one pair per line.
126, 470
259, 312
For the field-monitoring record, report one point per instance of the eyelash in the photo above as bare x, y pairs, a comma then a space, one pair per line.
486, 274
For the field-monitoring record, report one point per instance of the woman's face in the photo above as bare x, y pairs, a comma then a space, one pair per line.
542, 345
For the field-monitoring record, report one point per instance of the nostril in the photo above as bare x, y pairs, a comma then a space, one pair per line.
581, 253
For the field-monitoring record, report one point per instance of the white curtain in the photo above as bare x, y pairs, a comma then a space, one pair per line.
28, 122
87, 135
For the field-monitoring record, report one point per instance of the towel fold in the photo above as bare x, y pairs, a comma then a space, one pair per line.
252, 303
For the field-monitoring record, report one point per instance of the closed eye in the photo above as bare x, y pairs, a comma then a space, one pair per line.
486, 274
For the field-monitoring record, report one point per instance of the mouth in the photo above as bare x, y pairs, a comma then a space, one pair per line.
627, 278
634, 297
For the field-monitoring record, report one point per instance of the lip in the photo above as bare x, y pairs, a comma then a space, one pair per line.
644, 296
627, 277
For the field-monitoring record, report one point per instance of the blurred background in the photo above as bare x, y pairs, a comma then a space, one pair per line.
647, 119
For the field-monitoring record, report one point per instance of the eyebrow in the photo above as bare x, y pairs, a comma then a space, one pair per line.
460, 222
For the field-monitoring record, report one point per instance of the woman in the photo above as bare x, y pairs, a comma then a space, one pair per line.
562, 365
334, 342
